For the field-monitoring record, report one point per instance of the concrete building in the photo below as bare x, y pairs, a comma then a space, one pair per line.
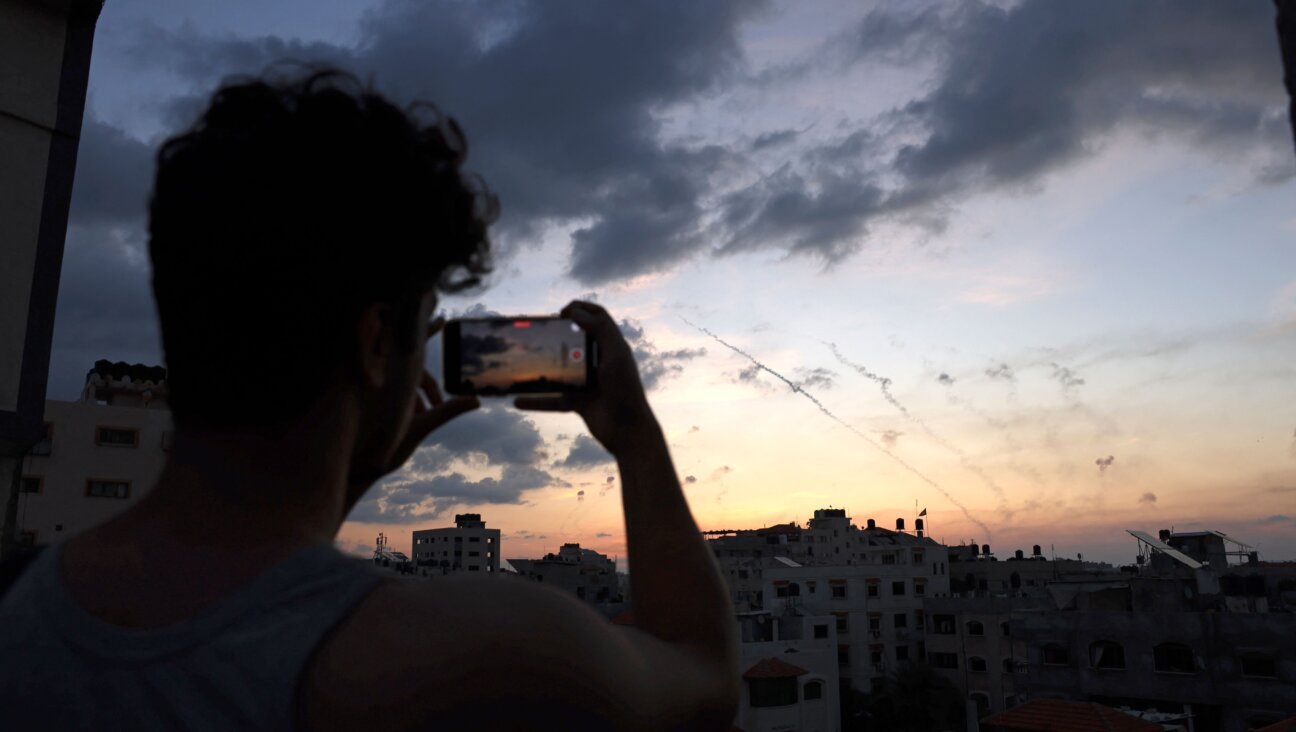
976, 572
1185, 630
969, 641
100, 454
584, 573
790, 673
876, 600
468, 546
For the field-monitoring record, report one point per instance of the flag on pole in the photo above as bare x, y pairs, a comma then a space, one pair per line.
924, 512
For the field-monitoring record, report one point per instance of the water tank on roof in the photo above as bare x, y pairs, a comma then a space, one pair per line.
899, 524
918, 524
1164, 534
872, 524
1036, 551
1020, 554
985, 549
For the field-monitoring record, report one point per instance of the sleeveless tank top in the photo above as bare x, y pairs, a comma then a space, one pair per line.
235, 665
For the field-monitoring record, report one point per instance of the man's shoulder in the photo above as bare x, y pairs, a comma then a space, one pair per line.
415, 649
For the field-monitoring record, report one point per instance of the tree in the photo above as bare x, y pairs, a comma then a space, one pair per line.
916, 698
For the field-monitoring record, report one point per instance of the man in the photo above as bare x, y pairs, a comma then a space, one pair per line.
299, 233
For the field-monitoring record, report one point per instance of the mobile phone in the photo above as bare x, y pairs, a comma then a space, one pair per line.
518, 355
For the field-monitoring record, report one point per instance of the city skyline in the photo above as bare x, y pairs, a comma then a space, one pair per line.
866, 255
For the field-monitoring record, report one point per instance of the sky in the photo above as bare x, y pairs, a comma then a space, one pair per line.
1026, 265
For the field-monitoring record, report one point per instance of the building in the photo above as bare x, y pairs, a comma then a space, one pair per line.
584, 573
100, 454
1185, 630
790, 673
873, 582
1055, 714
976, 572
468, 546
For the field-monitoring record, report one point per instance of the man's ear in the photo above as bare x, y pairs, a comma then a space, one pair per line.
375, 344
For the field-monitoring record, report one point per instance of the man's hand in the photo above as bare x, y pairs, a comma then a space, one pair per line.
617, 411
425, 420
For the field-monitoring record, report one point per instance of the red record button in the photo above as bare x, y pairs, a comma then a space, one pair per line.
576, 355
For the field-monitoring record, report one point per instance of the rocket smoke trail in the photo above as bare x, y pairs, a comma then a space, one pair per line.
885, 385
799, 390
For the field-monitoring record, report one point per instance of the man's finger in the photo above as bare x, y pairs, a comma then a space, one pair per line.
544, 403
431, 389
446, 411
435, 327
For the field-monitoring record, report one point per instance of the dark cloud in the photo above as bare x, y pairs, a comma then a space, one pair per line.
585, 452
816, 378
776, 138
655, 364
561, 103
1002, 372
580, 495
408, 501
1276, 519
945, 380
602, 535
690, 479
114, 176
1104, 463
1066, 377
1148, 498
502, 436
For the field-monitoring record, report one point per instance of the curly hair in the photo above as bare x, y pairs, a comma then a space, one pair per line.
290, 206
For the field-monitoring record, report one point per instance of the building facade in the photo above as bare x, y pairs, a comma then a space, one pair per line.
468, 546
584, 573
790, 673
100, 454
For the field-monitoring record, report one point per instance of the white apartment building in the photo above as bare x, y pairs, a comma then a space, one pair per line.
100, 454
468, 546
876, 599
790, 673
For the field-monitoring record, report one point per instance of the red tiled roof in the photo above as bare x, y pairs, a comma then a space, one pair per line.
773, 668
1285, 725
1057, 715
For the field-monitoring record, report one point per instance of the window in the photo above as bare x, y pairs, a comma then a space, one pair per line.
117, 436
917, 556
32, 484
1107, 656
780, 591
1007, 665
839, 591
944, 660
897, 588
1257, 663
1173, 658
901, 620
843, 655
490, 540
46, 444
873, 588
813, 690
875, 655
1054, 654
902, 653
975, 627
474, 554
1004, 629
976, 663
772, 692
875, 622
821, 631
944, 624
920, 589
108, 489
920, 619
982, 701
474, 539
888, 558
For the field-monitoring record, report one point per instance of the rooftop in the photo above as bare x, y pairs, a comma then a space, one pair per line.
1057, 715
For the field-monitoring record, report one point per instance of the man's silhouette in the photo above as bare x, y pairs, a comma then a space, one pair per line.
299, 235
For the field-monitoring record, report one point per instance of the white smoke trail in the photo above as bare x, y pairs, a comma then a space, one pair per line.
884, 384
799, 390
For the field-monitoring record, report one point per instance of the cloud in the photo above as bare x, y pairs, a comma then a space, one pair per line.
816, 378
1002, 372
1147, 498
656, 365
602, 535
721, 472
406, 500
1276, 519
580, 495
945, 380
585, 452
690, 479
1104, 463
889, 437
1066, 377
694, 428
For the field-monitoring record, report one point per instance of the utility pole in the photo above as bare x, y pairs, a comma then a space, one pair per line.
44, 68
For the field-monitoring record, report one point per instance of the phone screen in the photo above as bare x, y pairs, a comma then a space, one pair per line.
495, 356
